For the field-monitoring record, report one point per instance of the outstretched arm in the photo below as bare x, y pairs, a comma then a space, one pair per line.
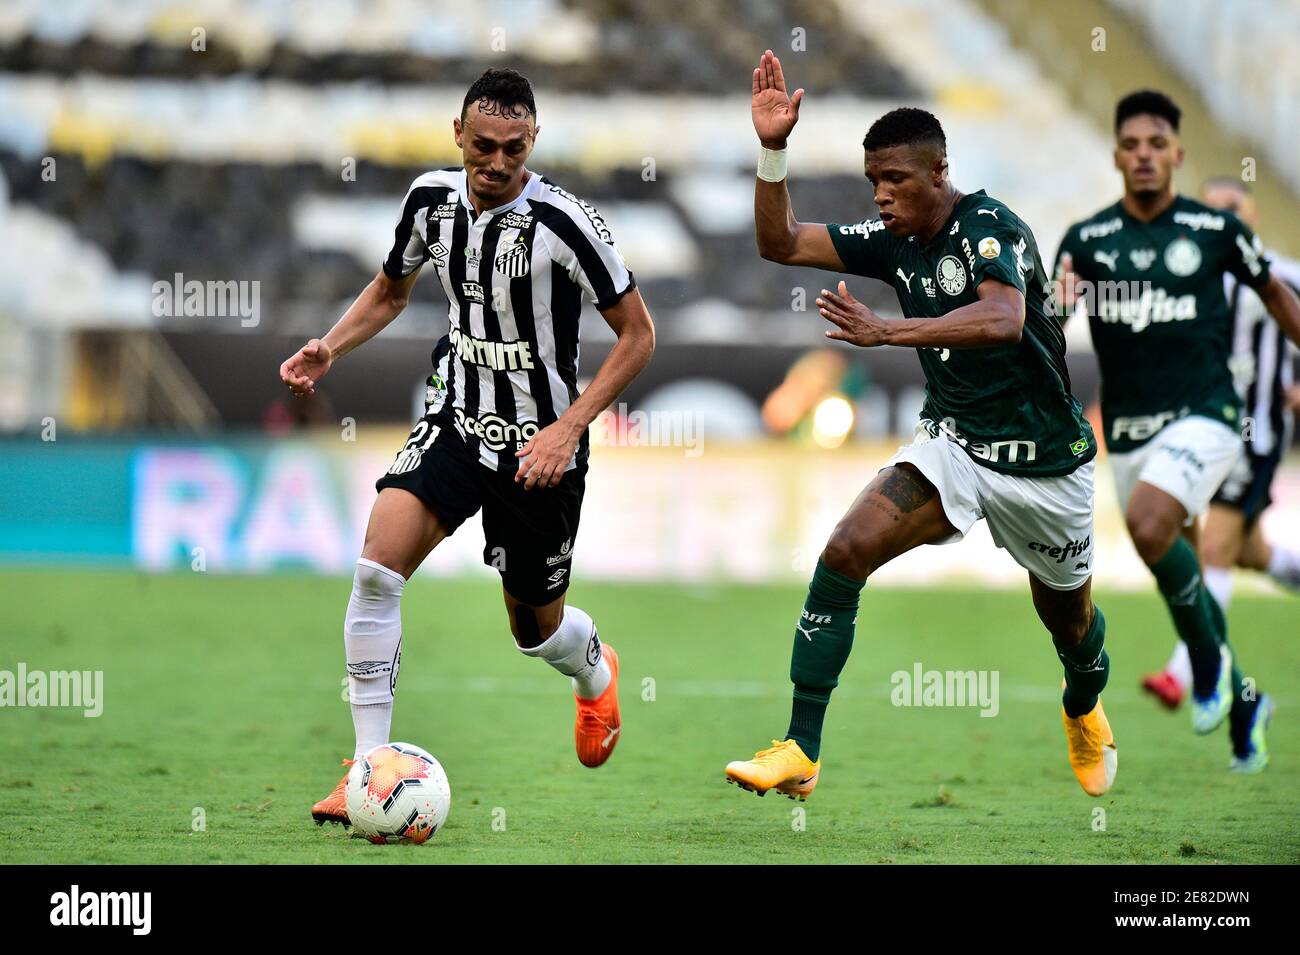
996, 319
378, 304
781, 238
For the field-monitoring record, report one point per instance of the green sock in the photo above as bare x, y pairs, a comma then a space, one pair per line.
822, 642
1197, 616
1087, 667
1243, 710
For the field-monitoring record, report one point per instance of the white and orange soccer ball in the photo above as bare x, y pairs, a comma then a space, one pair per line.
398, 793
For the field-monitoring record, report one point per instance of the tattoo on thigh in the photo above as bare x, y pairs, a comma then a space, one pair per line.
887, 509
905, 489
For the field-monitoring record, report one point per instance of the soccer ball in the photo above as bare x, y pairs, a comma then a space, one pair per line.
398, 793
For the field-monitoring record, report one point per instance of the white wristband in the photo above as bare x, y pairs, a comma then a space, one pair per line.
771, 164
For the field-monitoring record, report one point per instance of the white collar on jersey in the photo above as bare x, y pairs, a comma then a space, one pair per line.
534, 180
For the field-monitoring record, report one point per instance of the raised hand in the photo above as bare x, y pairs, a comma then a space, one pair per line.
855, 323
303, 370
773, 111
1066, 286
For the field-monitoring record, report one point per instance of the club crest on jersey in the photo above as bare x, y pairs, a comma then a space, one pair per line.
1182, 257
990, 247
1142, 259
951, 275
514, 260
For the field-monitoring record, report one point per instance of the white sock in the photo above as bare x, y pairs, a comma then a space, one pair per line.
372, 641
574, 649
1218, 581
1284, 567
1180, 665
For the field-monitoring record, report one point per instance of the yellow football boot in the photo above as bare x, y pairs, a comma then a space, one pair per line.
1092, 750
784, 768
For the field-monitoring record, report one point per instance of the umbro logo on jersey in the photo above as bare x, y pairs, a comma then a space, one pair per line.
907, 279
557, 578
513, 262
438, 253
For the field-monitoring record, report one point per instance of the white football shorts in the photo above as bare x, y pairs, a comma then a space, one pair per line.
1188, 459
1044, 523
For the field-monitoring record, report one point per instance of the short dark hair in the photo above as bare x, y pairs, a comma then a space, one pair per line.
906, 126
1150, 103
506, 88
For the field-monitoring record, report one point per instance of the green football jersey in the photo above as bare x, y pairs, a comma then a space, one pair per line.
1009, 406
1160, 321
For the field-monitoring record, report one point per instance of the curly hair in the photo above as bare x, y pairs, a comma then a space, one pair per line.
503, 91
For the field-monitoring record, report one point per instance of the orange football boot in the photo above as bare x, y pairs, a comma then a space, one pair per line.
595, 733
334, 807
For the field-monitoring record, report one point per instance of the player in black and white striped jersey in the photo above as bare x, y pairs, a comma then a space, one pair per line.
1262, 366
515, 277
516, 256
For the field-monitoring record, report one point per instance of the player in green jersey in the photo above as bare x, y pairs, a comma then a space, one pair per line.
1149, 271
1000, 437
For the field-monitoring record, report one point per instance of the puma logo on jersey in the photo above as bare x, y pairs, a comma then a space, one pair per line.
1107, 259
987, 212
907, 279
807, 633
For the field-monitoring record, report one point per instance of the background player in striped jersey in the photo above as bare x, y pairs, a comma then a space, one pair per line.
1262, 369
516, 256
1153, 265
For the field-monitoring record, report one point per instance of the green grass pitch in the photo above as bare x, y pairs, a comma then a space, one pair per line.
223, 695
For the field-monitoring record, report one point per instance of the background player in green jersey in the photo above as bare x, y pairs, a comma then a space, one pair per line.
1000, 437
1233, 534
1149, 271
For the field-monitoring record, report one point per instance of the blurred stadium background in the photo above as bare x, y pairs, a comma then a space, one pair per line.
262, 147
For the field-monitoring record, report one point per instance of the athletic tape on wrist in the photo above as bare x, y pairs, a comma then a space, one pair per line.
771, 164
